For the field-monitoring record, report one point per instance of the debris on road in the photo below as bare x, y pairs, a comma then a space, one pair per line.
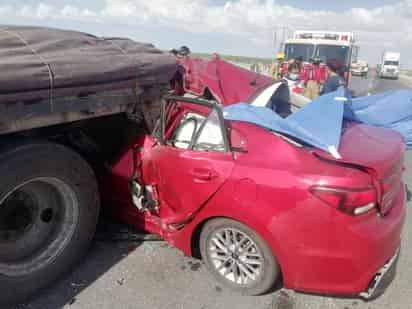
110, 231
121, 281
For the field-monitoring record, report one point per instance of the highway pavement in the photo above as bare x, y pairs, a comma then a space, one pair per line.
372, 85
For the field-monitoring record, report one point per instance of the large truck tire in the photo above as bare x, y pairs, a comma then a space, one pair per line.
49, 206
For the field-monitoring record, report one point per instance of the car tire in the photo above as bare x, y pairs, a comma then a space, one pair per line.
51, 195
267, 273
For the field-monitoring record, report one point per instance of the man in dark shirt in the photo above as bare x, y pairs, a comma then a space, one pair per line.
334, 80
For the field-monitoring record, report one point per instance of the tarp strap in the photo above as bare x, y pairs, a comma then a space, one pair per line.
116, 45
49, 69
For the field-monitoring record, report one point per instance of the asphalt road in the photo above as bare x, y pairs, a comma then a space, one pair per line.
373, 84
133, 274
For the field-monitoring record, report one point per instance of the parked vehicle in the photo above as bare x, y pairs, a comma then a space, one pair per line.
257, 206
390, 65
360, 68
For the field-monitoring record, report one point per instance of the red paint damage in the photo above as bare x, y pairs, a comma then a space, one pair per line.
267, 183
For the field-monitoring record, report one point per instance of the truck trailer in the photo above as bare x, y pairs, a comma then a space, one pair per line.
69, 102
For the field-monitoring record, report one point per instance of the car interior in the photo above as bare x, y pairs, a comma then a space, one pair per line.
199, 133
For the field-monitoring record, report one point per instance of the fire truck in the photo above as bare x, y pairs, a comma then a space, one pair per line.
315, 48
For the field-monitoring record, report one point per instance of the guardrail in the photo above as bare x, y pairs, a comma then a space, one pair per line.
406, 72
406, 77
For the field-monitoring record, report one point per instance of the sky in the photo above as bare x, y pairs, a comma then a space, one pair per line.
236, 27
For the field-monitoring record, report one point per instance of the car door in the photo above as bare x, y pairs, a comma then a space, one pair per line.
192, 161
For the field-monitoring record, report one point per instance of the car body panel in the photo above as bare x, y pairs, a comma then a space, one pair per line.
228, 83
184, 179
389, 143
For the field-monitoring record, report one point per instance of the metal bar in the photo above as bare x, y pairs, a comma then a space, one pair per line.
202, 102
34, 122
89, 103
210, 104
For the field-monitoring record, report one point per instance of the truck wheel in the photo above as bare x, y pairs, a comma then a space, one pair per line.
49, 206
237, 257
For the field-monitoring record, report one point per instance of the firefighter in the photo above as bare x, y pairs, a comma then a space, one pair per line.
299, 62
312, 88
334, 80
275, 70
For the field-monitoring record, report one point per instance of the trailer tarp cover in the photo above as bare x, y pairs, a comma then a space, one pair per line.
41, 63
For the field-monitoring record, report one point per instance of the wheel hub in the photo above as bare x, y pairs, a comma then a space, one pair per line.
37, 220
17, 215
235, 256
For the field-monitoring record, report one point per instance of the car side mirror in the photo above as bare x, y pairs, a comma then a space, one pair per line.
239, 149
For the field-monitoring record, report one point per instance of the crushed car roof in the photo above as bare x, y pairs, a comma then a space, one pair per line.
318, 124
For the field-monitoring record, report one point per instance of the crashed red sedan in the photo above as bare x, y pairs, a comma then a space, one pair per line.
257, 206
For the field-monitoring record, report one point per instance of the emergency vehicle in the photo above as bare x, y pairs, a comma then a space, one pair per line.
315, 48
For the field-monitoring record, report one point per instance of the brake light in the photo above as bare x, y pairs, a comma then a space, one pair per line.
353, 202
344, 38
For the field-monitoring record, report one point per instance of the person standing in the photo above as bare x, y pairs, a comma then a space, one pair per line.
292, 78
334, 80
314, 80
276, 68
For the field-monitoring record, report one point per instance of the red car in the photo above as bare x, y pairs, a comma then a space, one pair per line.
257, 206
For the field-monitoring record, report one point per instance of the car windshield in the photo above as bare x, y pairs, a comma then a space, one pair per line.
396, 63
326, 52
304, 51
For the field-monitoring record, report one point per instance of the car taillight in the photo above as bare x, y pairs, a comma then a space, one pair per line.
353, 202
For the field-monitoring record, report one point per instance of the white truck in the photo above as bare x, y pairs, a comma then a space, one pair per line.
390, 65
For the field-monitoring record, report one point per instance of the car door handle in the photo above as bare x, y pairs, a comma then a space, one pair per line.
203, 174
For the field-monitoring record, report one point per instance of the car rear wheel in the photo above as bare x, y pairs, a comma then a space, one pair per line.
238, 257
49, 206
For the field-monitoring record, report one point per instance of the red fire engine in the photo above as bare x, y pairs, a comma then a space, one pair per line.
315, 48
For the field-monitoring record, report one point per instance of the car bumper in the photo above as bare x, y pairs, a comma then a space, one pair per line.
382, 279
389, 74
347, 259
359, 72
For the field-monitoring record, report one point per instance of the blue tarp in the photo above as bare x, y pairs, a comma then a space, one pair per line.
320, 122
391, 109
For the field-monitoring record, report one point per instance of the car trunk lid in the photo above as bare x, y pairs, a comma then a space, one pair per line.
377, 150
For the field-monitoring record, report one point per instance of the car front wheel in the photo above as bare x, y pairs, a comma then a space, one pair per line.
238, 257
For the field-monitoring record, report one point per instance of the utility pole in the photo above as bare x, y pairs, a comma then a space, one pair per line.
284, 34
